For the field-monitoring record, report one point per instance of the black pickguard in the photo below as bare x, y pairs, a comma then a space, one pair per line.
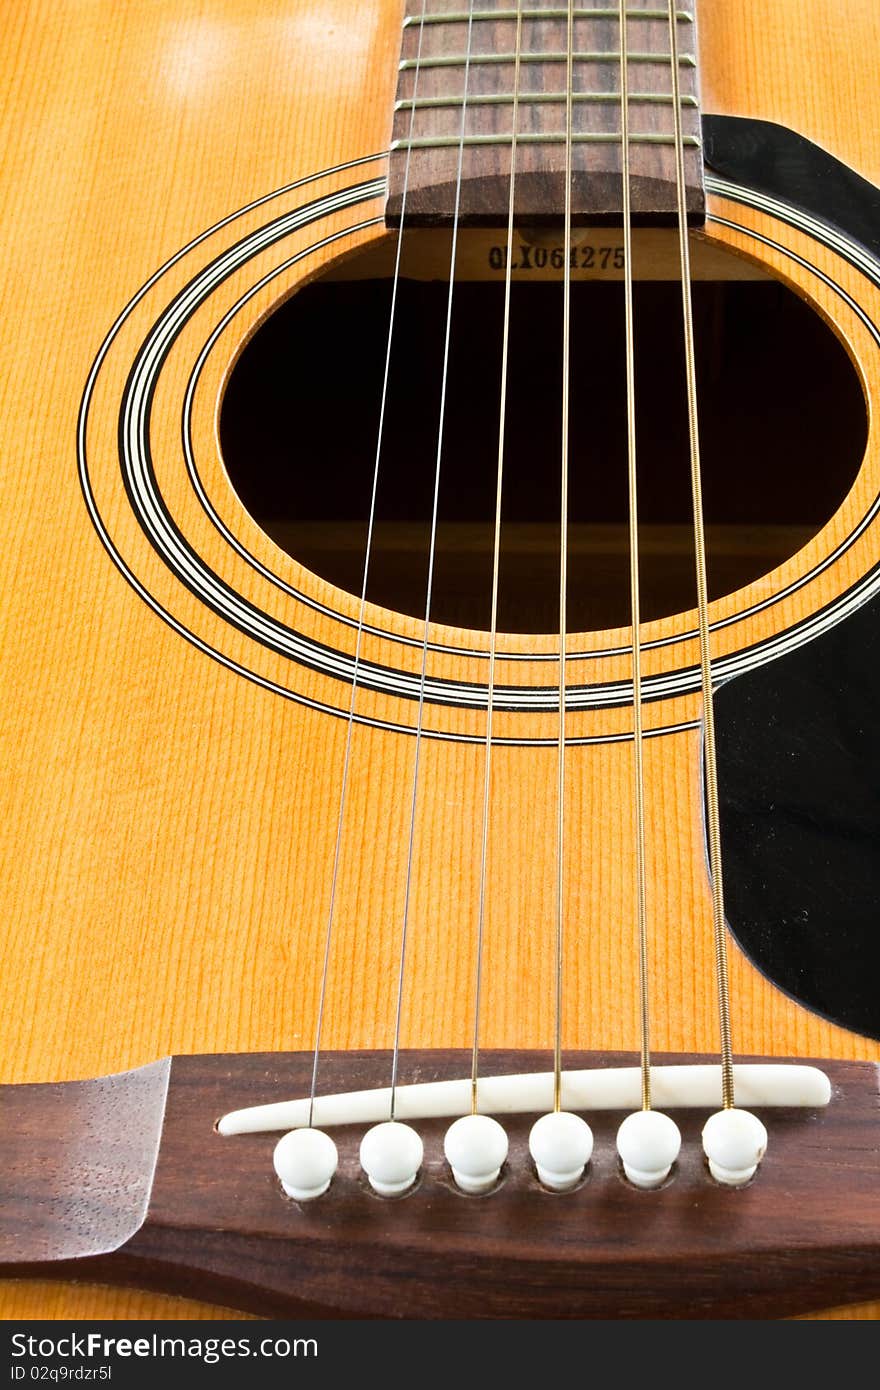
798, 740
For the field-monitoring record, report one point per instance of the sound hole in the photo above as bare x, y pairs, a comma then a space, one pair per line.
782, 421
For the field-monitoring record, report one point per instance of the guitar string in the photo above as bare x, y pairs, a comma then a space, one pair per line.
331, 910
496, 558
563, 563
430, 579
635, 597
710, 764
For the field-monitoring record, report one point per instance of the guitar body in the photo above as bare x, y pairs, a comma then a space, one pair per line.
174, 780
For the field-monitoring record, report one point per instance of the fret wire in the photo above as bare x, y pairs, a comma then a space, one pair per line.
635, 596
496, 566
539, 138
547, 98
713, 825
458, 60
423, 675
362, 608
587, 12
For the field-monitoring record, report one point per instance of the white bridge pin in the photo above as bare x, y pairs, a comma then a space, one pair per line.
476, 1148
561, 1145
391, 1156
305, 1161
734, 1142
648, 1143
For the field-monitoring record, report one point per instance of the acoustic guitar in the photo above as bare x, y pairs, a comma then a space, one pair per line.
441, 659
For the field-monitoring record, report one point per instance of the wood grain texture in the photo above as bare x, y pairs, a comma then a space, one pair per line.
432, 177
217, 1219
748, 67
170, 825
79, 1170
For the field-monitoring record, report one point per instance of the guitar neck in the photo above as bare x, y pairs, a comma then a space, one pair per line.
507, 68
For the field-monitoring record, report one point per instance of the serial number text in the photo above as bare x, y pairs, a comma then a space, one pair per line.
527, 257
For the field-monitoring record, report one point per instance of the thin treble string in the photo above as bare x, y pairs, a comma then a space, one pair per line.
712, 814
496, 558
635, 600
363, 598
563, 561
430, 583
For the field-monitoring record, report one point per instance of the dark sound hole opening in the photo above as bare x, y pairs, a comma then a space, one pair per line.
782, 420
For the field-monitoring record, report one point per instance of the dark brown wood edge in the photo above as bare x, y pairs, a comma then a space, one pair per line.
803, 1236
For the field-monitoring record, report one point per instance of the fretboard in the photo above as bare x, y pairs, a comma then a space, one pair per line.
438, 86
